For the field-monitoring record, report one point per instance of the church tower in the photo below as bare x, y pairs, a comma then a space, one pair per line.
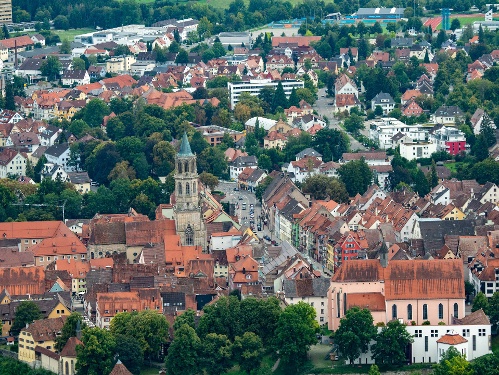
187, 211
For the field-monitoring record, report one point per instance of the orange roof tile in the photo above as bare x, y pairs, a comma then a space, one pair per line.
452, 339
371, 301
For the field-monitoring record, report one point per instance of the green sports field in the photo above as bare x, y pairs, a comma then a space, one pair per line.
71, 33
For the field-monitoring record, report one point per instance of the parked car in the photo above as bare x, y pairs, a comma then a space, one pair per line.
236, 189
259, 227
266, 237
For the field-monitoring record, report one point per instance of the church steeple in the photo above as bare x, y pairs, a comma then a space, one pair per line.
185, 147
187, 212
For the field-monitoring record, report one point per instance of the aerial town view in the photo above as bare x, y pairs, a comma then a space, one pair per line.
249, 187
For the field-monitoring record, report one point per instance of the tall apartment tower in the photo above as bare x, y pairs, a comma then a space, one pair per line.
5, 11
188, 217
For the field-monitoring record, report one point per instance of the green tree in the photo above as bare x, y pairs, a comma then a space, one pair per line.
331, 143
486, 365
115, 128
51, 68
493, 309
93, 113
454, 363
455, 24
213, 160
261, 317
357, 176
61, 22
96, 355
378, 110
322, 187
9, 97
79, 64
391, 343
130, 353
30, 170
222, 317
147, 327
26, 313
216, 354
188, 317
65, 47
264, 162
182, 57
279, 98
209, 180
69, 330
354, 123
294, 99
248, 351
374, 370
480, 302
262, 187
421, 185
184, 352
355, 332
433, 176
295, 333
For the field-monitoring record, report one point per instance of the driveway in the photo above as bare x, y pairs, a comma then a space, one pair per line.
324, 109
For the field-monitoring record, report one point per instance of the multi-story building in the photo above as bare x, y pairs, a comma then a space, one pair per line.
383, 130
12, 163
417, 150
254, 86
110, 304
5, 11
449, 139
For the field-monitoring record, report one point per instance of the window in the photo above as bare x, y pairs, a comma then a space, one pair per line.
179, 188
440, 311
418, 333
394, 311
426, 343
456, 310
434, 333
189, 236
481, 331
409, 311
425, 311
194, 187
187, 188
466, 333
474, 342
322, 311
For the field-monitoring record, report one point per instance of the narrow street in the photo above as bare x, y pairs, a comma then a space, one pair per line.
324, 109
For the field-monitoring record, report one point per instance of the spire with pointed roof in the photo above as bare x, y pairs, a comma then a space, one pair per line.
185, 147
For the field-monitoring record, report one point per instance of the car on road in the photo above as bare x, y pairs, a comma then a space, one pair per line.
266, 237
236, 189
240, 198
259, 227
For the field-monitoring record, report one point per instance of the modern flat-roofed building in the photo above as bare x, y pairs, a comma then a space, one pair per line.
380, 13
254, 86
235, 39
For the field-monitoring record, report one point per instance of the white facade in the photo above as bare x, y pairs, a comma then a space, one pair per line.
61, 160
235, 170
255, 85
120, 64
383, 130
348, 88
425, 348
442, 136
318, 303
16, 167
412, 151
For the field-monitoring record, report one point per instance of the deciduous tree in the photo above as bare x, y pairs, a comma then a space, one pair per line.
355, 332
184, 352
391, 343
248, 351
26, 313
96, 355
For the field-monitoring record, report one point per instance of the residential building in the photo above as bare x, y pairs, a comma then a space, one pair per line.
448, 115
411, 108
417, 150
12, 163
478, 118
75, 77
254, 86
383, 130
345, 85
302, 168
242, 162
243, 275
214, 134
385, 101
346, 102
310, 290
39, 333
110, 304
449, 139
59, 154
6, 12
275, 139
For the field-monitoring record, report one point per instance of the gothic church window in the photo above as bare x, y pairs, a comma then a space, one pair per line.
179, 188
187, 188
189, 236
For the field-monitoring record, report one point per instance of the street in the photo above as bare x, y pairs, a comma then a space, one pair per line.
324, 109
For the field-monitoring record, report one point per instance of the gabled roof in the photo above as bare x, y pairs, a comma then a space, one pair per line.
120, 369
57, 149
69, 349
45, 329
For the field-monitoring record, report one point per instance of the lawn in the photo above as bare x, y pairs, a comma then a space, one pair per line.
71, 33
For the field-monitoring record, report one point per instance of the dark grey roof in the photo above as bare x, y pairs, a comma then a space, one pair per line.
433, 231
451, 110
57, 150
291, 208
308, 152
402, 42
316, 287
31, 64
78, 177
74, 74
245, 161
383, 98
257, 173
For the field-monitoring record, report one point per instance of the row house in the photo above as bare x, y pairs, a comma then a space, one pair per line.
352, 245
110, 304
279, 62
